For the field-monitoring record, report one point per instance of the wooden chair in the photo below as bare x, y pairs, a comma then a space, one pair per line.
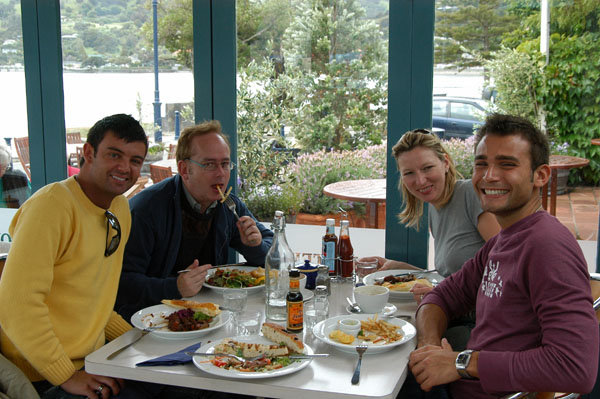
74, 138
595, 285
22, 146
158, 173
172, 150
138, 186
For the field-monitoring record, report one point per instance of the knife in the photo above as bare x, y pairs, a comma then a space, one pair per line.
215, 267
416, 273
143, 333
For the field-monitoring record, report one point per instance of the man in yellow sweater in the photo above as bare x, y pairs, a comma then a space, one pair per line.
60, 281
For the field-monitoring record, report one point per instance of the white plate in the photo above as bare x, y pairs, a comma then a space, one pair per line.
322, 329
307, 295
142, 318
370, 280
388, 310
204, 364
243, 268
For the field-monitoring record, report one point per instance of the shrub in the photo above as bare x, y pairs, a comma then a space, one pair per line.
462, 153
311, 172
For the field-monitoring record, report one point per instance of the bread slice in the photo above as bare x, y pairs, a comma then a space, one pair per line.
248, 349
210, 309
277, 334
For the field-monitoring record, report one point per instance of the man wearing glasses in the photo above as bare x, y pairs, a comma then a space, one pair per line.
60, 281
180, 227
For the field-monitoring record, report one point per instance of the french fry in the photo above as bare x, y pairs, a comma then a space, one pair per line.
225, 195
382, 329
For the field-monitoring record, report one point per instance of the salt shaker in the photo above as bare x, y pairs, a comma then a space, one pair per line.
321, 303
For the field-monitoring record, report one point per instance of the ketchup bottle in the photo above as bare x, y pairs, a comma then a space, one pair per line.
345, 265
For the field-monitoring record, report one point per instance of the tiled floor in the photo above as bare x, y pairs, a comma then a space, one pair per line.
578, 210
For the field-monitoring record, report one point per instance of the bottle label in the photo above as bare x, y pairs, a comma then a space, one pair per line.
294, 283
295, 311
329, 255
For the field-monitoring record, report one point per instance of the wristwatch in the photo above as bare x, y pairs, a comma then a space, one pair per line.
462, 362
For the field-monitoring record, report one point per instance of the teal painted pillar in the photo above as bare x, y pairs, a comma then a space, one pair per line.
215, 71
410, 90
44, 87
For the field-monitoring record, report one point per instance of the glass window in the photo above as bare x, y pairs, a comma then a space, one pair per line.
439, 108
312, 80
464, 111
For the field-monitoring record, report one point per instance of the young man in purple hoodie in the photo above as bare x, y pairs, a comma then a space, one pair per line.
536, 330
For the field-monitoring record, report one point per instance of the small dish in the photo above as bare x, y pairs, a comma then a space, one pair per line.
388, 310
349, 326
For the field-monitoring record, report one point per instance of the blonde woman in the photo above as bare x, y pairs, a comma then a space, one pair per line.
456, 221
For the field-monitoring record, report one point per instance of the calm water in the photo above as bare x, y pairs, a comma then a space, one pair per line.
91, 96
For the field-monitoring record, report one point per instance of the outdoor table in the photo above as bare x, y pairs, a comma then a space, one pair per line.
559, 162
370, 191
382, 375
596, 141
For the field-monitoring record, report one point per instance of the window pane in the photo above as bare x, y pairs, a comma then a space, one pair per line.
312, 82
14, 183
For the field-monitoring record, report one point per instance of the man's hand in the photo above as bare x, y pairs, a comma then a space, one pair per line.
249, 233
419, 290
434, 365
92, 386
190, 283
388, 264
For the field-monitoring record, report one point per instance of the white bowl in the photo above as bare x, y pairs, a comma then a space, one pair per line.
350, 326
371, 298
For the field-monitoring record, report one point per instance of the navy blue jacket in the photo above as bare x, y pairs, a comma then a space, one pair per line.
153, 245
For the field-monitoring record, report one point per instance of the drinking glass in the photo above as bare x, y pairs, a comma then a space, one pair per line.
235, 300
249, 323
364, 268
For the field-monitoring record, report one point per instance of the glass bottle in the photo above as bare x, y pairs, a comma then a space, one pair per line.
321, 303
295, 304
323, 278
280, 260
345, 252
329, 245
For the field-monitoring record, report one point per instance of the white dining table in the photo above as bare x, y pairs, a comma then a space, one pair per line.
382, 375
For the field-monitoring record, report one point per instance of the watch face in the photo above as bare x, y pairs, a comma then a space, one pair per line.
462, 358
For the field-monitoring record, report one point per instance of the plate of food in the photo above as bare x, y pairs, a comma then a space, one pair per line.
180, 319
276, 345
380, 335
248, 278
400, 282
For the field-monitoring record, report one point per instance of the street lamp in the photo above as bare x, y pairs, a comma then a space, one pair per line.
157, 117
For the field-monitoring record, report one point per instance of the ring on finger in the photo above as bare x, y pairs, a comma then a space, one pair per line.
422, 296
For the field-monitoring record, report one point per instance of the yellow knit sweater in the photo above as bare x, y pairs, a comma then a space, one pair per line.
58, 289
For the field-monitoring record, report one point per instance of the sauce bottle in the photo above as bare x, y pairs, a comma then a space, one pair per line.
295, 304
280, 259
329, 243
345, 263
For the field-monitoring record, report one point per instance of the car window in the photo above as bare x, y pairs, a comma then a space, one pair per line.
439, 108
465, 111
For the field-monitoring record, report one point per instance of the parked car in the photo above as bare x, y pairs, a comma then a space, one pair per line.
458, 116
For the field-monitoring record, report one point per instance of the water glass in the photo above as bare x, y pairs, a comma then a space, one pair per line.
364, 268
235, 300
249, 323
313, 314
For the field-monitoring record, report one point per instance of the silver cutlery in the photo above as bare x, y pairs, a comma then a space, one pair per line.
356, 376
216, 267
143, 333
250, 359
354, 308
416, 273
231, 205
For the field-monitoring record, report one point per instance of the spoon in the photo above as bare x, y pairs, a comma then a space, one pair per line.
354, 308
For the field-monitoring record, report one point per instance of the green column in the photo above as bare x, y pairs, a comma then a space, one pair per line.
410, 89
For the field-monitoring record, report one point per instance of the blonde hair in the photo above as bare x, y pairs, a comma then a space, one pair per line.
184, 144
413, 207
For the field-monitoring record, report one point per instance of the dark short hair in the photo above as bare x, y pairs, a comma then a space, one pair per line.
184, 144
123, 126
508, 125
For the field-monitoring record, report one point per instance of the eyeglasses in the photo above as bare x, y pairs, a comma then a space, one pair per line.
212, 166
112, 221
425, 131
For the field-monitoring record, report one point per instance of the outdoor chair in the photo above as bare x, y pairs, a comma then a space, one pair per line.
158, 173
172, 150
74, 138
22, 146
138, 186
595, 283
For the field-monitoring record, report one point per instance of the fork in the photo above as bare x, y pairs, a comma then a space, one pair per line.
231, 205
238, 358
356, 376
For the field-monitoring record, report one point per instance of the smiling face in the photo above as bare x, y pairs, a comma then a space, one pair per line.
503, 179
423, 174
201, 183
112, 170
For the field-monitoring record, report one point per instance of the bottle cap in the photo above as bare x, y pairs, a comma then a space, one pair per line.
321, 289
323, 267
294, 273
278, 214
